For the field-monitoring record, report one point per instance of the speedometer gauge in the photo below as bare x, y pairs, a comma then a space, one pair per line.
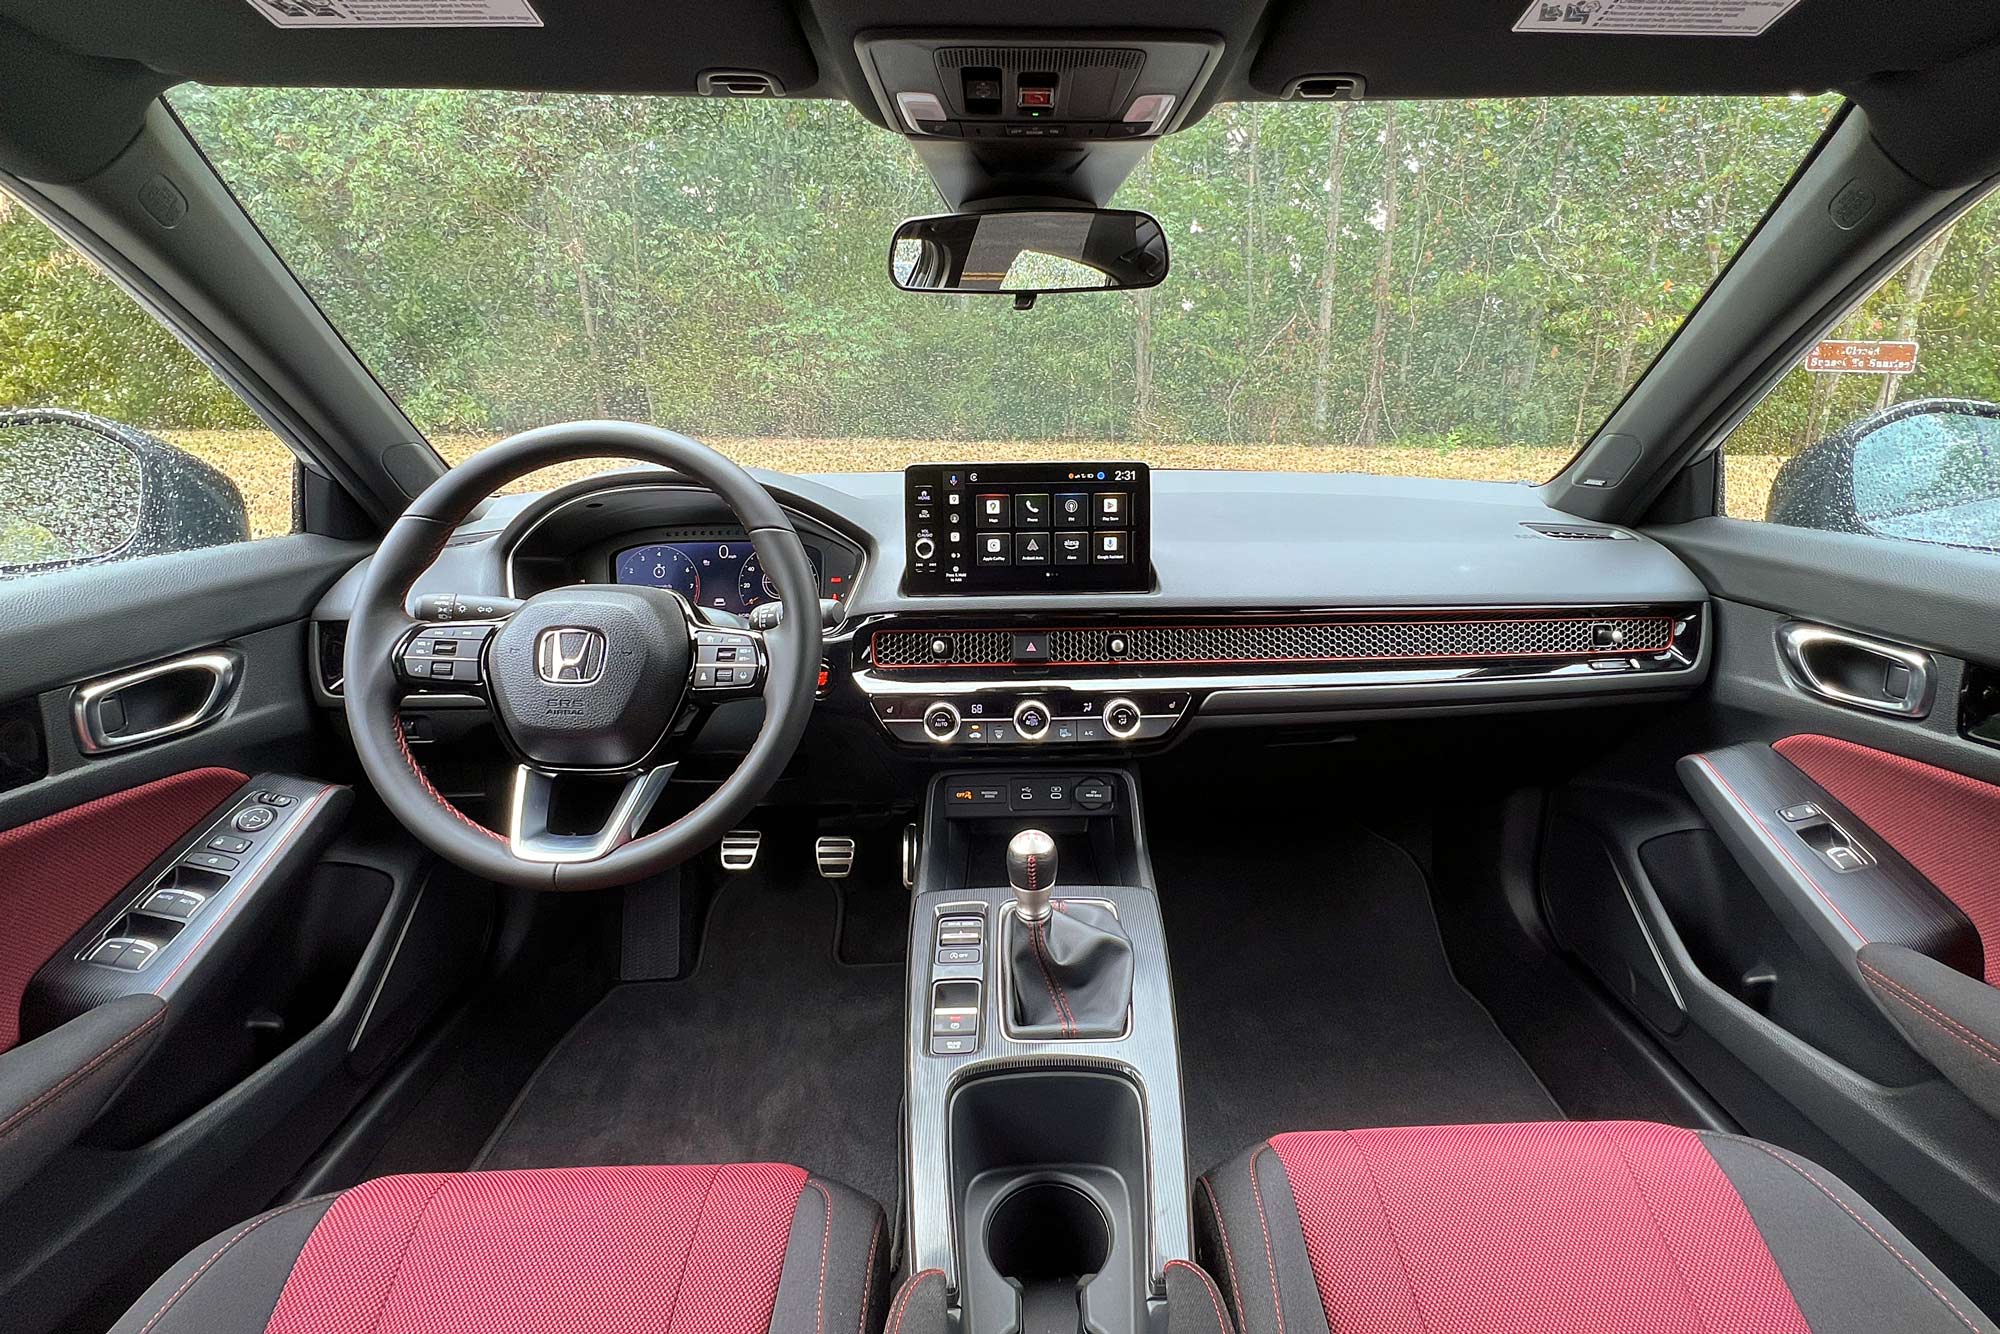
661, 567
753, 586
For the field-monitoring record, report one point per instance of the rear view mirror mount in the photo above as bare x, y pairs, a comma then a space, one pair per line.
1027, 253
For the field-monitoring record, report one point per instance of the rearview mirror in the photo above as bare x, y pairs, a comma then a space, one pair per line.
1030, 252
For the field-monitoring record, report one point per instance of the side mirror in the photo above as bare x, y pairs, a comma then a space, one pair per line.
1923, 471
1030, 252
77, 489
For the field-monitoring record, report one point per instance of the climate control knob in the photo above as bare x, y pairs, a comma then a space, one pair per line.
941, 721
1121, 719
1031, 720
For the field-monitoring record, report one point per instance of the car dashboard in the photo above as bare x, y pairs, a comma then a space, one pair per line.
1261, 600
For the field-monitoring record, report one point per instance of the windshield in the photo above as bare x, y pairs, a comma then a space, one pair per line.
1446, 289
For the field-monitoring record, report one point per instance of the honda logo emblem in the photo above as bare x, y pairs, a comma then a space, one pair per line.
569, 655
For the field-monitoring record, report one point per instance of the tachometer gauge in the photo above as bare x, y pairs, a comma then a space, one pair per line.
753, 586
662, 567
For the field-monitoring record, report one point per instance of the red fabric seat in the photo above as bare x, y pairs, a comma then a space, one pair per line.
591, 1250
1584, 1227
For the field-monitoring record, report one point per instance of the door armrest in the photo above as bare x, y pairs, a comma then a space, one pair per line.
1830, 879
1954, 1020
53, 1087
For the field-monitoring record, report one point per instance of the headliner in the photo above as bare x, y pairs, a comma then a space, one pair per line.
1437, 48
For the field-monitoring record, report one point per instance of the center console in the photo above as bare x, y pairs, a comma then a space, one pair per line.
1047, 1158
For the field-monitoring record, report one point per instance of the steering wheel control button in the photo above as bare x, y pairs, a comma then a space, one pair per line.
941, 722
1031, 720
1122, 719
252, 819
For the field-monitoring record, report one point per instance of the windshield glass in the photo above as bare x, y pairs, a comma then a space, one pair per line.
1448, 289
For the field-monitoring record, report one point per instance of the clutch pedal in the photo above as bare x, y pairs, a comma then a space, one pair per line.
740, 848
835, 857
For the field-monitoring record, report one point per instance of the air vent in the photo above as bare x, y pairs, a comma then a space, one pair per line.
737, 83
330, 652
1326, 88
1578, 532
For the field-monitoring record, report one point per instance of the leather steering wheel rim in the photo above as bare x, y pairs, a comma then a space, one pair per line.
374, 691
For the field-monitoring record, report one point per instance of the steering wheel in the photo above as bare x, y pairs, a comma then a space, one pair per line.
590, 681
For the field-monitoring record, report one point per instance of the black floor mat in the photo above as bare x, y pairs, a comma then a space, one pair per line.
1313, 992
768, 1051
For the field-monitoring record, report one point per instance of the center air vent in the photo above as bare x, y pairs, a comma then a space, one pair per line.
737, 83
1577, 532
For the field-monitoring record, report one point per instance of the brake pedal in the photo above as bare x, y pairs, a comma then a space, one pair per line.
740, 848
835, 857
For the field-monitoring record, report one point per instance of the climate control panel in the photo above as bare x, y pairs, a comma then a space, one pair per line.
1051, 717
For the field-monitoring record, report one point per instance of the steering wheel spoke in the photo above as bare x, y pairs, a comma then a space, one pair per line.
532, 817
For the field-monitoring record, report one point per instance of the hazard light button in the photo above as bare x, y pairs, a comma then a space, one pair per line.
1031, 647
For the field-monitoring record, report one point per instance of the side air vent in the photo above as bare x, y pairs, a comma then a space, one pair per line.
737, 83
329, 654
1578, 532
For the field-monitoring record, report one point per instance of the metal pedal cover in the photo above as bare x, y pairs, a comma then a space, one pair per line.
835, 857
740, 848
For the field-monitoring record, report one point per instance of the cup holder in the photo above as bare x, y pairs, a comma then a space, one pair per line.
1047, 1231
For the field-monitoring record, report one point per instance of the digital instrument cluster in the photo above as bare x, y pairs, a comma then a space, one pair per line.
1027, 527
724, 575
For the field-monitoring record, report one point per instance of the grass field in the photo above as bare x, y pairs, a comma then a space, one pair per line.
262, 468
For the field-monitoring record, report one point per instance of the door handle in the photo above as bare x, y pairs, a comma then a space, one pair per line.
156, 702
1857, 671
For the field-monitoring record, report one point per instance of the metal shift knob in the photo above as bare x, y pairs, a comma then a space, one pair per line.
1031, 870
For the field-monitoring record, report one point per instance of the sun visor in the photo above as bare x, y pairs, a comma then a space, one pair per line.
743, 48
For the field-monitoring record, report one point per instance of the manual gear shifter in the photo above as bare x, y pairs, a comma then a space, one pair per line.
1070, 964
1031, 870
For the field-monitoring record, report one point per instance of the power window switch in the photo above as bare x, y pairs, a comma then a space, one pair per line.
136, 955
179, 904
107, 953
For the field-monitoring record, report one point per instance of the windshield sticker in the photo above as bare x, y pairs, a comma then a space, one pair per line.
1848, 356
398, 13
1662, 18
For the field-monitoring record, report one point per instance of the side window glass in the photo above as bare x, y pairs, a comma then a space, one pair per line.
115, 441
1890, 426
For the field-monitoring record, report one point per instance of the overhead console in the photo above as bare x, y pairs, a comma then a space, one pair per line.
956, 86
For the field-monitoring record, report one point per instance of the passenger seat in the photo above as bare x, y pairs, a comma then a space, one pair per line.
1612, 1227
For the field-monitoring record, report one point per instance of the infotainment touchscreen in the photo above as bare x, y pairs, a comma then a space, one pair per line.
1027, 527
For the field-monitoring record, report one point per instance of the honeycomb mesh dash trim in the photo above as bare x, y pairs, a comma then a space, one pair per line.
1328, 641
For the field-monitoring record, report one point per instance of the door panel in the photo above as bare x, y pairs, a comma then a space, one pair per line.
60, 870
1836, 1004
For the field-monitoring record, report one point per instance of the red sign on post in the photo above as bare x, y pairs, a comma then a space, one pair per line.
1846, 356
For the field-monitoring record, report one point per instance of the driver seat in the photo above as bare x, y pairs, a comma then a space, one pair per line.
736, 1249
